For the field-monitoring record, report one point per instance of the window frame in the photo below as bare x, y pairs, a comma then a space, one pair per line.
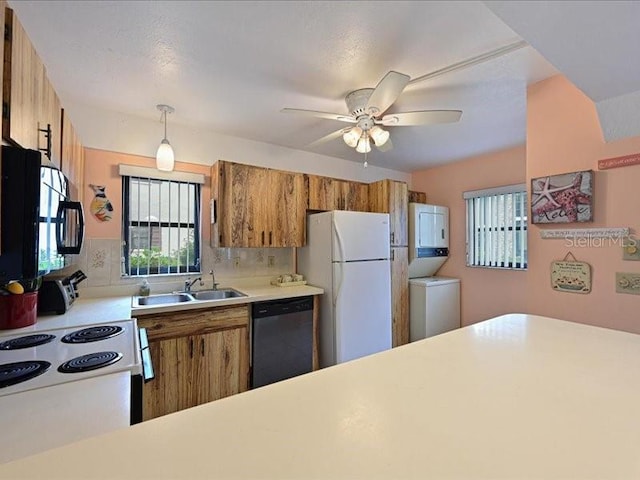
196, 267
519, 223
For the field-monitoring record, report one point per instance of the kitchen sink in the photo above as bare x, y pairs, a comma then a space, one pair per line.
164, 298
220, 294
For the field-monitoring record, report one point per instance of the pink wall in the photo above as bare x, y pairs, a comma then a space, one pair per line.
485, 293
101, 168
563, 135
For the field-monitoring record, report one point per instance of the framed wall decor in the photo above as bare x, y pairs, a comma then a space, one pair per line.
570, 275
564, 198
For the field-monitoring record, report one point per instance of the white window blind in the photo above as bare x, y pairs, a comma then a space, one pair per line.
497, 227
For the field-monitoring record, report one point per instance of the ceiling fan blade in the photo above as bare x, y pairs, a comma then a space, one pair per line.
386, 92
327, 138
425, 117
385, 147
312, 113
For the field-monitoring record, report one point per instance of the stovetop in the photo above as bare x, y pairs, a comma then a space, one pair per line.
44, 358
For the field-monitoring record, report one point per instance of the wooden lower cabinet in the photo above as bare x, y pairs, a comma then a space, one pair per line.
400, 295
198, 356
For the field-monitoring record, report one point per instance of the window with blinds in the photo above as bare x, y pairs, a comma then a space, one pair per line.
497, 227
161, 226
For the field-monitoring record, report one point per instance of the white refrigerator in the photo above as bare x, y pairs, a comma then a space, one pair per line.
347, 254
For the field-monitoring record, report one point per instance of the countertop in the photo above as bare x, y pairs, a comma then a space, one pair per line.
518, 396
86, 311
255, 293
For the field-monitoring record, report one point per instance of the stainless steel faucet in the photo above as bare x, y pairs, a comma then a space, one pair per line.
188, 284
213, 277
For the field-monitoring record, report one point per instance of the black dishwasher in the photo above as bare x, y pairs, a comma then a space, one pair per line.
281, 340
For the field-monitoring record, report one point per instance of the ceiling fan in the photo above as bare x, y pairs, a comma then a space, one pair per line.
366, 110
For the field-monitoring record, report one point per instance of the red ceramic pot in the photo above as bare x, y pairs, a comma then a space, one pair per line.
18, 311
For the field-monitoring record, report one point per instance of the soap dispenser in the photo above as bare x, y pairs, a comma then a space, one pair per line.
145, 289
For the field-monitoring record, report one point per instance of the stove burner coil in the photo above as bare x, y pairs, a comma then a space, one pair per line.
18, 372
93, 334
91, 361
27, 341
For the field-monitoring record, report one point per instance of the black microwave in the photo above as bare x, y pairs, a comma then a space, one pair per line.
41, 227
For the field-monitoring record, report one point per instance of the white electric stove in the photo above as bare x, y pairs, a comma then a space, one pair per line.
62, 385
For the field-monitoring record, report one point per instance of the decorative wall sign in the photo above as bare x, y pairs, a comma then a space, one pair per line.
630, 249
100, 207
562, 198
616, 162
628, 283
585, 233
570, 275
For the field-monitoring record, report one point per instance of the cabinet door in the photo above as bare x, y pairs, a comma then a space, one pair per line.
356, 196
241, 210
72, 158
22, 90
161, 395
321, 193
226, 364
193, 388
287, 213
50, 116
398, 211
400, 295
389, 196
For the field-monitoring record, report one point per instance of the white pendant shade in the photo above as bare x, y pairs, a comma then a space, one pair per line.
165, 158
364, 146
379, 136
352, 136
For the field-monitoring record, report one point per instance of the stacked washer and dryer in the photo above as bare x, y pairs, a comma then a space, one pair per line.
434, 302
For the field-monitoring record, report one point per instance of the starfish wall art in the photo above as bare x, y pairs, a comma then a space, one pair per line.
562, 198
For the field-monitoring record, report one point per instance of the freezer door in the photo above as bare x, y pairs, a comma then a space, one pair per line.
362, 307
360, 236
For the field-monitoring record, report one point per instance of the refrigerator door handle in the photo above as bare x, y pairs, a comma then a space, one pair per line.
340, 246
338, 288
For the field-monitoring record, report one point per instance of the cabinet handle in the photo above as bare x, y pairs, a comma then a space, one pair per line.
263, 237
270, 236
202, 347
393, 237
191, 348
393, 255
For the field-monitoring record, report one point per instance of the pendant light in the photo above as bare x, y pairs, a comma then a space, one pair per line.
164, 156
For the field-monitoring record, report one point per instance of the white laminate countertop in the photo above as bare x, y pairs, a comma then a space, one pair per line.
518, 396
87, 311
259, 293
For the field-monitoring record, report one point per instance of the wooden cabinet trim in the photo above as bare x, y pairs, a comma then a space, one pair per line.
164, 326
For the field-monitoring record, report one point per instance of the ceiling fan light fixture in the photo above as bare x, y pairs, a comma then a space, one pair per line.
379, 136
364, 146
352, 136
165, 158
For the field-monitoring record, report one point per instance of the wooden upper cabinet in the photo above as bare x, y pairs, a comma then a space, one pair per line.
327, 193
50, 116
22, 76
390, 196
30, 104
72, 158
258, 207
417, 197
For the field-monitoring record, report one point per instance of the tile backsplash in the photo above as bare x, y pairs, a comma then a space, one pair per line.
101, 260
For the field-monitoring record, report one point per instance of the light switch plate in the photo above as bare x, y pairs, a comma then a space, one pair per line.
628, 283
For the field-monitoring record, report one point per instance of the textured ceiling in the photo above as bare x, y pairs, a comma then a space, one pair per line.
231, 66
595, 44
